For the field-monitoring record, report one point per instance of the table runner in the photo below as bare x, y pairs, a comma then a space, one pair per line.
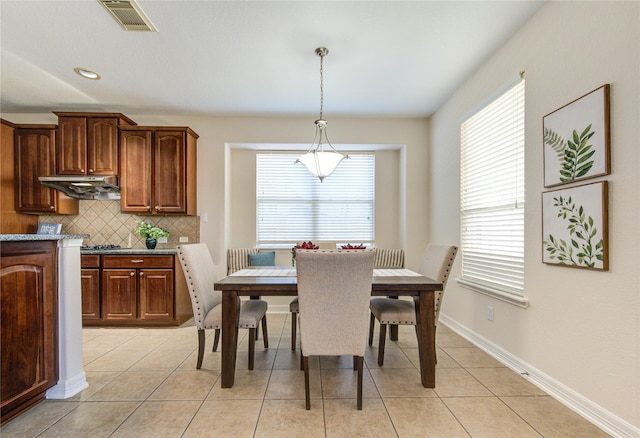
291, 272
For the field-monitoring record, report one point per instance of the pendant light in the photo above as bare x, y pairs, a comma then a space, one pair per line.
319, 162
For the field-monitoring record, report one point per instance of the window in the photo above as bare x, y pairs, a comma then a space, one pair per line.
492, 198
293, 206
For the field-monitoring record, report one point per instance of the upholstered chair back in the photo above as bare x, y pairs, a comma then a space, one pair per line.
199, 272
437, 262
238, 258
334, 289
389, 258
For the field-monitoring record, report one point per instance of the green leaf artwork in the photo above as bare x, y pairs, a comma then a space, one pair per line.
584, 248
575, 155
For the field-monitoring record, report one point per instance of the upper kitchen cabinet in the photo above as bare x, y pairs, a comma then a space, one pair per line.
11, 221
88, 142
158, 170
34, 155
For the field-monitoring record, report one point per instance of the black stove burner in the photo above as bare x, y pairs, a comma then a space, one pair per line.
101, 247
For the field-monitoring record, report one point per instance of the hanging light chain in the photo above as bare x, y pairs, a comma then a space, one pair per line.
322, 52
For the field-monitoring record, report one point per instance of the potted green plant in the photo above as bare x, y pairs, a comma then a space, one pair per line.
151, 233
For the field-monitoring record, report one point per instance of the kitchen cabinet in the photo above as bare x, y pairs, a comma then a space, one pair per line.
34, 155
88, 143
158, 170
90, 283
29, 324
133, 289
11, 221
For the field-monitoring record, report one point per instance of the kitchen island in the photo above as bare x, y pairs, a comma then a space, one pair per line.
41, 332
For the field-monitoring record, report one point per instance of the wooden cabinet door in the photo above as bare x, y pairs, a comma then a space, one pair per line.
119, 294
29, 319
72, 146
102, 146
156, 288
169, 180
135, 171
34, 157
90, 283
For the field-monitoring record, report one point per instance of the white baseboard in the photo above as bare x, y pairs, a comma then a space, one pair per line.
592, 412
68, 388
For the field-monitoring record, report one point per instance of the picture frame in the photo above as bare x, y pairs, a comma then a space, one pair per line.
576, 139
49, 228
575, 226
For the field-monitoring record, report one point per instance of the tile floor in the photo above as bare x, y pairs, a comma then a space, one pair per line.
143, 383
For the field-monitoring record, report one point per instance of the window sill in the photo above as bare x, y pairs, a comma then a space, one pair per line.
520, 301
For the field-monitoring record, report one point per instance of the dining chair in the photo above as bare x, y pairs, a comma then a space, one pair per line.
334, 289
206, 302
436, 264
242, 258
386, 258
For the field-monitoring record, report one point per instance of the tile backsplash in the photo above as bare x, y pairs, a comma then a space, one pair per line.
104, 222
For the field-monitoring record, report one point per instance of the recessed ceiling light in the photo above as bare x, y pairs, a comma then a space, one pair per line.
86, 73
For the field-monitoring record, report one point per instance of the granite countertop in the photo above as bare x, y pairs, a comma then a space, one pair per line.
125, 251
32, 237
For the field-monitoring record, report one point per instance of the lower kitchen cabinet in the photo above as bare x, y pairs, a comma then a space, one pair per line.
135, 289
90, 280
29, 333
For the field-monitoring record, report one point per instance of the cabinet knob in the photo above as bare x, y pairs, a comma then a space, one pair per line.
137, 261
90, 170
51, 207
81, 170
157, 207
131, 274
141, 274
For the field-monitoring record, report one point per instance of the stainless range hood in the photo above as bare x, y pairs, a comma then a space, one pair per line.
84, 186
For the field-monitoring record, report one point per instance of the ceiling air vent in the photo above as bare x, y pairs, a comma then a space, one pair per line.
129, 15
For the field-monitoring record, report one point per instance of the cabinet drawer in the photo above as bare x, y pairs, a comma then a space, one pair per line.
137, 261
90, 260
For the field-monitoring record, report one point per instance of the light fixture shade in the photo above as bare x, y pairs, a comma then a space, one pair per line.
320, 163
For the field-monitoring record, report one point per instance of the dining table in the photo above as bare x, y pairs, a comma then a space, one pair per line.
276, 281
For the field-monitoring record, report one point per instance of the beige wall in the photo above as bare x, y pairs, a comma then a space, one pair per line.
581, 333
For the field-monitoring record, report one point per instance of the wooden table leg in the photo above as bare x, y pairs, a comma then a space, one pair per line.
425, 330
230, 313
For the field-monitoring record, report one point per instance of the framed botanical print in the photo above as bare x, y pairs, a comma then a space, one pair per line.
576, 139
575, 226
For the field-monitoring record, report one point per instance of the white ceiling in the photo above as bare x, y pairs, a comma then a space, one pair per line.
387, 58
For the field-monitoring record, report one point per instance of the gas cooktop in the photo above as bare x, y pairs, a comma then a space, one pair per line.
101, 247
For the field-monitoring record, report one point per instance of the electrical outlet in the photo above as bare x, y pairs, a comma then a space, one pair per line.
490, 313
162, 240
184, 239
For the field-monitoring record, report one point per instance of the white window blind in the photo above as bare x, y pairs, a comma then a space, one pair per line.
293, 206
492, 196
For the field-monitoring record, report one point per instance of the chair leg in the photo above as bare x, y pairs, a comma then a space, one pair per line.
201, 340
383, 334
216, 339
359, 360
307, 396
294, 318
265, 336
252, 346
371, 323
